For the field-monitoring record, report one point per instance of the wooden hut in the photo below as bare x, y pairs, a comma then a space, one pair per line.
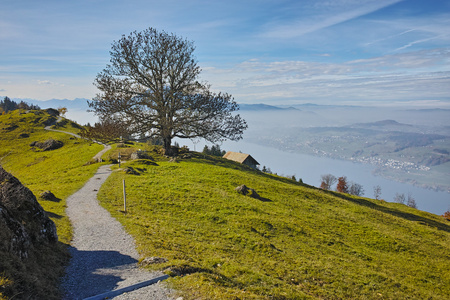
242, 158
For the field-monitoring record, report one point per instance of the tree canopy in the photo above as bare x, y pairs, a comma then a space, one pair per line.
151, 86
7, 105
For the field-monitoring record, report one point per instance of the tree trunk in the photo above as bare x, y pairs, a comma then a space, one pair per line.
168, 147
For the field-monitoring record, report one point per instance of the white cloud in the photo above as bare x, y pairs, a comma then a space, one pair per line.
327, 14
397, 34
418, 42
44, 82
403, 77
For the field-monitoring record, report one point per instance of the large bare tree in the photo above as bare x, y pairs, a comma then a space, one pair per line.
151, 85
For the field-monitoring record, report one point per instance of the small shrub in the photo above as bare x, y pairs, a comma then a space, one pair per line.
400, 198
411, 201
342, 186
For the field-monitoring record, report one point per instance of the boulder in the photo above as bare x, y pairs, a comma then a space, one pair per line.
23, 221
131, 170
140, 155
53, 112
244, 190
173, 159
153, 260
11, 127
48, 196
48, 145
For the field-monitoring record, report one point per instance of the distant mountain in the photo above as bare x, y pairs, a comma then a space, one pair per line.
321, 106
429, 110
263, 107
76, 104
389, 125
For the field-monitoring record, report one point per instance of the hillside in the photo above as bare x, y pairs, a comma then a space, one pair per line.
62, 171
296, 242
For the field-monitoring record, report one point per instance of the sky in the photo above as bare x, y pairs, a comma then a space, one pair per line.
277, 52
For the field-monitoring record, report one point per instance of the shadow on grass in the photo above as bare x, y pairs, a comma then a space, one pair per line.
212, 274
392, 211
264, 199
53, 215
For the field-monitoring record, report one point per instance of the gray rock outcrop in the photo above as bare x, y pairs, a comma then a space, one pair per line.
48, 145
23, 221
246, 191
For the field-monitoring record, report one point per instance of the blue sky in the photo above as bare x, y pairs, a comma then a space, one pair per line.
366, 52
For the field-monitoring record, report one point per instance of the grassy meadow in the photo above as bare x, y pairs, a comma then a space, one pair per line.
62, 171
297, 242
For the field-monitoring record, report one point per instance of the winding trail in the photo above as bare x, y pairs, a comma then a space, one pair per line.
104, 257
97, 156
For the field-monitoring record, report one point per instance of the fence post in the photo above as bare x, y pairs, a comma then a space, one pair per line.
124, 197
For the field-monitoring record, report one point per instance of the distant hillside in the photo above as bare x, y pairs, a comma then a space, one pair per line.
416, 154
262, 107
77, 104
386, 125
76, 109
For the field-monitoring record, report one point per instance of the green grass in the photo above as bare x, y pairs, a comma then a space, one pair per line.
298, 243
62, 171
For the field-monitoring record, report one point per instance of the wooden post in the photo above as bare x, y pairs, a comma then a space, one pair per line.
124, 197
119, 159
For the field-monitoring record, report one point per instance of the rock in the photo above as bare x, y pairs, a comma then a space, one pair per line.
140, 155
11, 127
130, 170
48, 196
153, 260
48, 145
24, 135
244, 190
53, 112
23, 221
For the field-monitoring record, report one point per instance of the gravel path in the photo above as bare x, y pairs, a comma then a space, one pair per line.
97, 156
103, 255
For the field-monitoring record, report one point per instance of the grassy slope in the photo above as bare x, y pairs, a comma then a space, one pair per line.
300, 243
61, 171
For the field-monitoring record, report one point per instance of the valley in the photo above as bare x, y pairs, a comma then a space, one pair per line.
417, 154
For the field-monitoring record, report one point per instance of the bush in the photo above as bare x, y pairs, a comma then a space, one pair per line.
400, 198
342, 186
356, 189
447, 215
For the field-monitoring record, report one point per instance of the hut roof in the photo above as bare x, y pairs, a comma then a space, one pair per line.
239, 157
